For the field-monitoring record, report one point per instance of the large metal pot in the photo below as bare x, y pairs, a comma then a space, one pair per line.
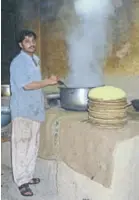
74, 98
5, 90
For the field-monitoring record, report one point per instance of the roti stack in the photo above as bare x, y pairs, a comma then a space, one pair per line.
107, 106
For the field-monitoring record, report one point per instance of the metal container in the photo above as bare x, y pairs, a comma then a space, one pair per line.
53, 96
135, 104
74, 98
5, 116
53, 99
5, 90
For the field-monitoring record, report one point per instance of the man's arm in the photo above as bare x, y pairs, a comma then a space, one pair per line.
40, 84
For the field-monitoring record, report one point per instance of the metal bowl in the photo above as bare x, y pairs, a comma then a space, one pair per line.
5, 116
5, 90
135, 104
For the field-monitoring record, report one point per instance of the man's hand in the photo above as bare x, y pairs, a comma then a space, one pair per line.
52, 80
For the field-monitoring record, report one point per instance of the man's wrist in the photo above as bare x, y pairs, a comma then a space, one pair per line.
46, 82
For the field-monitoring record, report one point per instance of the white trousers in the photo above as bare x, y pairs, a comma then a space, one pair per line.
25, 145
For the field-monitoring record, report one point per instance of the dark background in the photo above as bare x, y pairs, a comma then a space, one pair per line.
9, 30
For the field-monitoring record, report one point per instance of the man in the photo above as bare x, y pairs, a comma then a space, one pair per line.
27, 109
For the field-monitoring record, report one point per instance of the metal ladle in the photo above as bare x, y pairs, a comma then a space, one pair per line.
61, 83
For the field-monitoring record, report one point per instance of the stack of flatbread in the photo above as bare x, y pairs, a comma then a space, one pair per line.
107, 106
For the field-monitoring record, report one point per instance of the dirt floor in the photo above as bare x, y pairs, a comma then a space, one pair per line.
46, 190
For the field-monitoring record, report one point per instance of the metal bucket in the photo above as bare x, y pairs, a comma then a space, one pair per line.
5, 90
5, 116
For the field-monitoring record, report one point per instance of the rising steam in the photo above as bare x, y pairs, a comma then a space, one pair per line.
90, 28
87, 43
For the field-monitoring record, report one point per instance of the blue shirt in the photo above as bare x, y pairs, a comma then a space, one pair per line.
26, 103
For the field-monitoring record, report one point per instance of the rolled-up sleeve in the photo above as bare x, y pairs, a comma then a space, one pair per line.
20, 74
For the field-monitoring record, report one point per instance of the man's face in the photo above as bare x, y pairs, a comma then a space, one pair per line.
28, 44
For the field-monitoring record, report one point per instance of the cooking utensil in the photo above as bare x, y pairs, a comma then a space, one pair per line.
5, 116
135, 104
5, 90
74, 98
61, 83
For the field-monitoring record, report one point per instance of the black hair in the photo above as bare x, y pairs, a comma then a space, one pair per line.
25, 33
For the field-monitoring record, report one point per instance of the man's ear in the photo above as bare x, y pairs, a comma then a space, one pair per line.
20, 44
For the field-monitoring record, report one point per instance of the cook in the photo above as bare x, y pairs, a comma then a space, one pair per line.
27, 110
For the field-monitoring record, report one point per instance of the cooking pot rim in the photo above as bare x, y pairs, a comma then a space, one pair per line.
62, 87
76, 87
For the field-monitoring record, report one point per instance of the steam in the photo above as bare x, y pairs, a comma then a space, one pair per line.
87, 43
90, 29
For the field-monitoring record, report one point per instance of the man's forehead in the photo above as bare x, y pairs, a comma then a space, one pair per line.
29, 37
